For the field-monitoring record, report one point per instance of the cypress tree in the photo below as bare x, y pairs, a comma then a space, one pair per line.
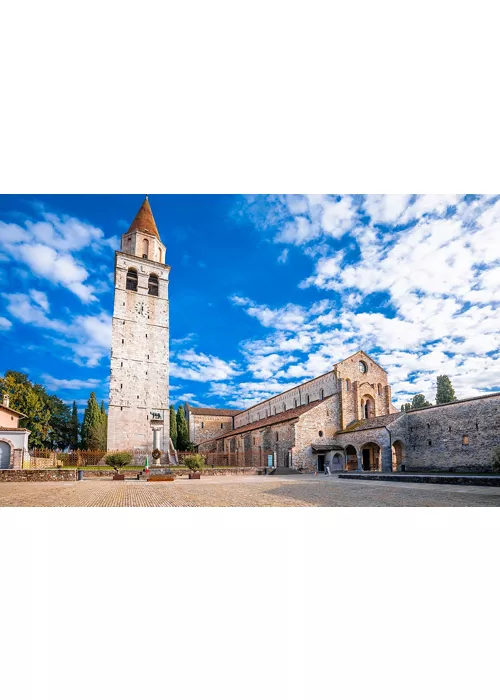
182, 430
92, 425
173, 426
74, 428
445, 392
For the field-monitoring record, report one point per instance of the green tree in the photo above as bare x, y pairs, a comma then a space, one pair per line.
173, 426
445, 392
93, 426
419, 401
182, 430
405, 407
27, 399
59, 435
74, 428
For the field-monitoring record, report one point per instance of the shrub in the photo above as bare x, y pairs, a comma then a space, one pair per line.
118, 459
495, 465
194, 462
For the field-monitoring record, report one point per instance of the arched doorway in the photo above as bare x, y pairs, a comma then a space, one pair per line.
351, 459
397, 455
4, 455
370, 457
367, 407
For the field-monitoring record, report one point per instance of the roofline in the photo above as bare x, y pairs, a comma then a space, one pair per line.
452, 403
251, 426
13, 410
297, 386
366, 355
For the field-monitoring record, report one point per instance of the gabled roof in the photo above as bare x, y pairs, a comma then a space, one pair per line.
13, 410
282, 417
144, 220
377, 422
200, 411
362, 352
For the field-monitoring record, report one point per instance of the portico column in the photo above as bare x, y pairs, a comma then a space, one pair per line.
360, 463
386, 459
156, 444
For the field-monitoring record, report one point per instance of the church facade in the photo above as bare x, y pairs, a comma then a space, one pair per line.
138, 414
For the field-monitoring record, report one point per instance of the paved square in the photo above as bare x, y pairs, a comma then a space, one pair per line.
245, 491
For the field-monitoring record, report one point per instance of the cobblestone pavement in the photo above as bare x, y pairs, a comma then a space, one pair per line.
244, 491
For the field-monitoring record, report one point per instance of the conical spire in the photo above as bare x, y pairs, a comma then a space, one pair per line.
144, 220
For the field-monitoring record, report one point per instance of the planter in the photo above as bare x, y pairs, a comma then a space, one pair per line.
118, 477
194, 475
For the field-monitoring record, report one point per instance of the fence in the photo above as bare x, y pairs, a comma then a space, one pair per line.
249, 458
48, 459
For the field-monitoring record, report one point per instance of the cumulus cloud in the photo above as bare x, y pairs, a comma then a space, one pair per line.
54, 384
48, 246
199, 367
5, 324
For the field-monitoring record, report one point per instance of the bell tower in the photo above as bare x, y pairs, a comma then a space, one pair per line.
138, 415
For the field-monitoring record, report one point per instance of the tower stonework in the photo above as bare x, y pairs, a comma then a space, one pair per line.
138, 416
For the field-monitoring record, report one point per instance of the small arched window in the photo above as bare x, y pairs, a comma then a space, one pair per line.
277, 437
295, 403
348, 385
284, 406
307, 398
380, 389
145, 248
322, 394
132, 279
153, 285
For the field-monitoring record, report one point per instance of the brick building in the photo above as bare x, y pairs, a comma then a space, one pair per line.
345, 419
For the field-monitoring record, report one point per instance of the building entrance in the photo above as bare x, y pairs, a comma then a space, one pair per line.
321, 463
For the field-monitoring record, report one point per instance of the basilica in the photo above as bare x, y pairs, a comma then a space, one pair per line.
341, 420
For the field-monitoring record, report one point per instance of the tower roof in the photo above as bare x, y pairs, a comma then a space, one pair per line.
144, 220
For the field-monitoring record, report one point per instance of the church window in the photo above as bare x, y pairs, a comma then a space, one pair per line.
348, 385
429, 425
277, 437
465, 440
322, 394
121, 386
429, 443
275, 410
307, 398
153, 285
295, 403
202, 425
132, 279
363, 367
320, 433
477, 425
123, 341
284, 406
380, 389
222, 425
145, 248
449, 429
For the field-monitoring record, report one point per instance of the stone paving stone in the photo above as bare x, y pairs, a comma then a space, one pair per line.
245, 491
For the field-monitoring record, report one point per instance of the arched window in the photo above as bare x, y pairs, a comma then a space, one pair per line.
284, 406
322, 394
153, 285
132, 279
348, 385
295, 403
380, 389
277, 437
307, 398
145, 248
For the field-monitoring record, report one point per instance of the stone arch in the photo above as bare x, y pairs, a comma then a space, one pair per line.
379, 389
145, 248
398, 455
132, 279
351, 457
367, 406
6, 453
337, 461
371, 457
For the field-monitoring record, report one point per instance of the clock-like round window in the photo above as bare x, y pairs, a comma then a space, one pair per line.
362, 367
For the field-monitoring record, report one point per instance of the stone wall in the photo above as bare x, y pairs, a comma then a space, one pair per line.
435, 435
37, 475
356, 386
323, 418
208, 427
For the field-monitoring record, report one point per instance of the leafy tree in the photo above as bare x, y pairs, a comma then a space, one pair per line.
31, 400
74, 428
182, 430
173, 426
445, 392
405, 407
93, 427
419, 401
59, 436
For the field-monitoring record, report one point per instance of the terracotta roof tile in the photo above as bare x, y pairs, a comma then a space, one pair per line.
377, 422
271, 420
200, 411
13, 430
144, 220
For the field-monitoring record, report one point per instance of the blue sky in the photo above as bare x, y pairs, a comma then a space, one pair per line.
266, 291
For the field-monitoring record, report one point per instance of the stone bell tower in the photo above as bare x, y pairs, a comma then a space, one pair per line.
138, 416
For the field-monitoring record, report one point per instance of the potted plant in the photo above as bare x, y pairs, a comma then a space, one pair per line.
194, 463
117, 460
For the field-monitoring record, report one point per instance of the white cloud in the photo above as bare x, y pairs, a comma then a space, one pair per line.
199, 367
40, 298
384, 208
54, 384
5, 324
283, 257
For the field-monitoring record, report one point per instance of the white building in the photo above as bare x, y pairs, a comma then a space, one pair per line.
13, 439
